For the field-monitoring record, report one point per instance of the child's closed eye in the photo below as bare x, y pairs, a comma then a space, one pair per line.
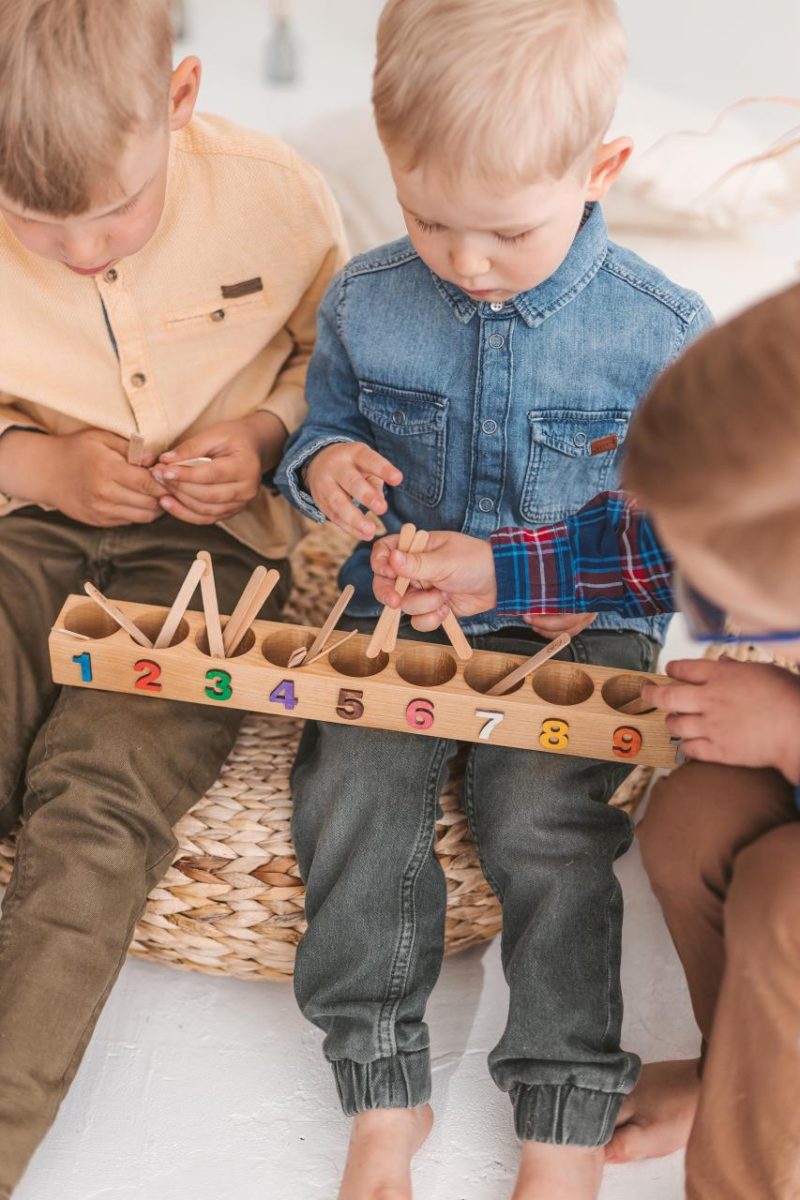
427, 227
513, 238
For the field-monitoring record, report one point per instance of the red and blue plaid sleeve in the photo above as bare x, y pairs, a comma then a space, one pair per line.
604, 558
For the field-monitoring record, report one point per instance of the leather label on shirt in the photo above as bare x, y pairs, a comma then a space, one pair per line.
248, 287
604, 444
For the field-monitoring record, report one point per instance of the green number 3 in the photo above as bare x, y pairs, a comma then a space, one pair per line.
223, 689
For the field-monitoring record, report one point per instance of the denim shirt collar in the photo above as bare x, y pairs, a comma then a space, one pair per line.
586, 255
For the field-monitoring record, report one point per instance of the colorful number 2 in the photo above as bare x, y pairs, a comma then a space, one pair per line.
148, 682
554, 735
284, 694
222, 689
627, 742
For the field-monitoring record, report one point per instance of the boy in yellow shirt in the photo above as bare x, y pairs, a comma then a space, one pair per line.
159, 275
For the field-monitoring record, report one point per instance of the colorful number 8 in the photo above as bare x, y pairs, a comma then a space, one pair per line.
554, 735
627, 742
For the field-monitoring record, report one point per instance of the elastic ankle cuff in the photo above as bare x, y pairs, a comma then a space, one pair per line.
564, 1114
402, 1081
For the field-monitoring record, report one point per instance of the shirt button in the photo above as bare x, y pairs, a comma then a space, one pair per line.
399, 417
497, 306
489, 426
218, 314
111, 275
486, 505
496, 340
138, 380
580, 439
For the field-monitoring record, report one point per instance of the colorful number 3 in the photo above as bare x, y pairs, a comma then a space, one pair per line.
554, 735
627, 742
222, 689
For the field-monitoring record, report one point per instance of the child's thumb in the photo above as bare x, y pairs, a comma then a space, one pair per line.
423, 567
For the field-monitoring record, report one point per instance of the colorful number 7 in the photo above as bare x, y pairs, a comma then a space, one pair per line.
493, 719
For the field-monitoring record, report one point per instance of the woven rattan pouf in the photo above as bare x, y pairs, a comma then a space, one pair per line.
232, 901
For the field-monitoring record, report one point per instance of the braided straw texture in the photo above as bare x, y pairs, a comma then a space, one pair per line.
232, 901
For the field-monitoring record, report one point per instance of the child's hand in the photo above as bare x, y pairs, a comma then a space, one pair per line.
241, 451
549, 625
349, 471
90, 479
742, 714
458, 571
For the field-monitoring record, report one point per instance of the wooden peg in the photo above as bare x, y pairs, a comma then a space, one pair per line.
407, 534
252, 601
193, 462
417, 546
109, 607
329, 648
135, 449
180, 604
531, 664
208, 590
457, 637
637, 707
301, 654
81, 637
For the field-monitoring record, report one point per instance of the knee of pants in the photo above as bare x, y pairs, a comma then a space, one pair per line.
696, 820
762, 913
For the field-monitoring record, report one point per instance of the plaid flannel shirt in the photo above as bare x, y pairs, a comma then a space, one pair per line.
604, 558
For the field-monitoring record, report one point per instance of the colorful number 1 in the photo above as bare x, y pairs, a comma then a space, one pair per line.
84, 661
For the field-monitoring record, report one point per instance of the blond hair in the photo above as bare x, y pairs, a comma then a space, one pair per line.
77, 77
716, 444
508, 91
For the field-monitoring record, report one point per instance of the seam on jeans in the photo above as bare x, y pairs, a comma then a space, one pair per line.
398, 975
12, 898
616, 892
472, 821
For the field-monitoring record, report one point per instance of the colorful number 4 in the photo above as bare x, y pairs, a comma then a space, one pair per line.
284, 694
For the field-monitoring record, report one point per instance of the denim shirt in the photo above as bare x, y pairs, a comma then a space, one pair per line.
498, 415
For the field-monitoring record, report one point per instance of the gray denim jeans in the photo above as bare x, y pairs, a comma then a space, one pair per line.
365, 807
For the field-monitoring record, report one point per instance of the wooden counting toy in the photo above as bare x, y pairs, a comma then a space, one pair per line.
421, 688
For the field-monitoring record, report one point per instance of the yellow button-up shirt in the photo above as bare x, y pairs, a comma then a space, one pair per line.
214, 319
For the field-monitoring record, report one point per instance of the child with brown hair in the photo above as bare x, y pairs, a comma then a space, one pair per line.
714, 457
159, 276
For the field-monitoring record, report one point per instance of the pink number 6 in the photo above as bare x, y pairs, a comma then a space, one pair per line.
419, 714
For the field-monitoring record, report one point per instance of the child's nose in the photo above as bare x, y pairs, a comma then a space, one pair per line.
468, 263
84, 253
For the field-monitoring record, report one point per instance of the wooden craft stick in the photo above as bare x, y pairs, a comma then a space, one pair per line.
208, 590
192, 462
457, 636
300, 655
180, 604
329, 648
417, 546
531, 664
82, 637
258, 598
237, 616
135, 449
109, 607
637, 707
407, 535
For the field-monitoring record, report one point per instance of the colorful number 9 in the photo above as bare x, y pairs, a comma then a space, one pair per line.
554, 735
419, 714
627, 742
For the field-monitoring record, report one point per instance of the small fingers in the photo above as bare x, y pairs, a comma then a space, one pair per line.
372, 463
685, 727
339, 508
430, 621
675, 698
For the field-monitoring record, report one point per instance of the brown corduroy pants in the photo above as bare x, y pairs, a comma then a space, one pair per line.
722, 848
98, 780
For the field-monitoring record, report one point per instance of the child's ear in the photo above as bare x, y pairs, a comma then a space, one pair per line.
183, 92
608, 165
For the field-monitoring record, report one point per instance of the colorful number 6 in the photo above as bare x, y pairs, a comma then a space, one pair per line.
419, 714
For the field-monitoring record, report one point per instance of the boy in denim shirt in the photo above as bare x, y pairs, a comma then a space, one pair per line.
486, 369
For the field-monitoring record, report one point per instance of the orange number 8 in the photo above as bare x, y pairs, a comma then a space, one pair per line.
627, 742
554, 735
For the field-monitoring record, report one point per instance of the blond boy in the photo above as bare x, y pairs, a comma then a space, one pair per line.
486, 368
159, 275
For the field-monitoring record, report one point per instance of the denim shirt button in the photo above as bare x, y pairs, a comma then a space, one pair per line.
496, 340
486, 505
398, 417
497, 306
489, 426
580, 439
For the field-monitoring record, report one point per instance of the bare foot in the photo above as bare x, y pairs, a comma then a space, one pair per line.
382, 1145
656, 1119
559, 1172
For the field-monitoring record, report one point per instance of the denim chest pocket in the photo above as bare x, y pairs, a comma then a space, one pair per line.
572, 457
410, 429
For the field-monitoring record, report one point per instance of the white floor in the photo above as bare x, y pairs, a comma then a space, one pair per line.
200, 1089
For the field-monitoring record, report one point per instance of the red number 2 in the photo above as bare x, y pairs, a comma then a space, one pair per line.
148, 681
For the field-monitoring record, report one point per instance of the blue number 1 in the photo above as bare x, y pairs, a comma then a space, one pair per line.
84, 661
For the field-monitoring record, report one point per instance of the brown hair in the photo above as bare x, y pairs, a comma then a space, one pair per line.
77, 77
716, 444
508, 91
